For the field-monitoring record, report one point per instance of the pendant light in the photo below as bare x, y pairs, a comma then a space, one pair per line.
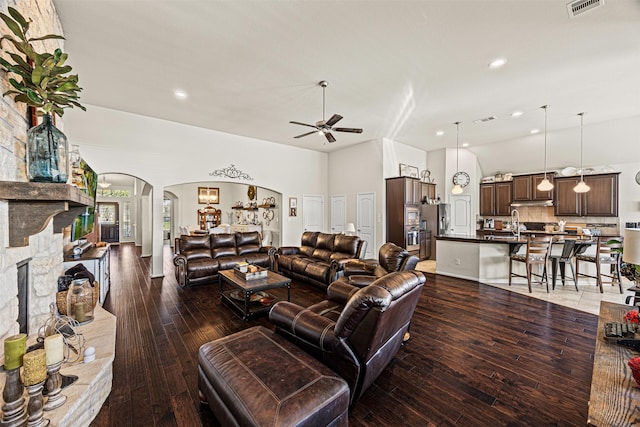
545, 184
457, 189
582, 187
104, 183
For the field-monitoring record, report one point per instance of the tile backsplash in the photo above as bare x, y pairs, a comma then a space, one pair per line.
544, 214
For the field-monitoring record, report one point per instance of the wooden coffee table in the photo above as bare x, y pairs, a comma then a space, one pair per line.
248, 297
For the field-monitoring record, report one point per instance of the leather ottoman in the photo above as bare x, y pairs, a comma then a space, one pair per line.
257, 378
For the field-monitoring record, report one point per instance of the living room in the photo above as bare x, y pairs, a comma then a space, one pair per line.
165, 151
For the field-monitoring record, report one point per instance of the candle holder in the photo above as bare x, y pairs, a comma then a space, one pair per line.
55, 398
13, 410
35, 407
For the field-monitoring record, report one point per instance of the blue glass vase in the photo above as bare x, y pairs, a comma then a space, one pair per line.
47, 153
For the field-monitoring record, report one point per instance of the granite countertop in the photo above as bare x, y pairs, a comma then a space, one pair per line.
474, 238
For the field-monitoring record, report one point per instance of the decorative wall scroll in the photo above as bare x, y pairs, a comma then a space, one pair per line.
231, 172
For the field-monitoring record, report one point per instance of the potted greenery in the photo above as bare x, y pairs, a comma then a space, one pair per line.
42, 81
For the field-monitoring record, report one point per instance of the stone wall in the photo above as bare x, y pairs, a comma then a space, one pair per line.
46, 248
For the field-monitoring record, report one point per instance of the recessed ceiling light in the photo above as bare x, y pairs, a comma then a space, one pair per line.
517, 114
497, 63
534, 131
440, 132
180, 94
466, 144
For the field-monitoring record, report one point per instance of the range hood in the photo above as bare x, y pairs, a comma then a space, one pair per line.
532, 203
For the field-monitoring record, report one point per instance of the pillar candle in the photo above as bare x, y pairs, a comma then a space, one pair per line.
53, 346
35, 367
80, 311
14, 348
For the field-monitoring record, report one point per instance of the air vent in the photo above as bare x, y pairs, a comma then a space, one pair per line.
579, 7
485, 120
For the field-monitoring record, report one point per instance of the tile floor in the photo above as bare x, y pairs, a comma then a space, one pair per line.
586, 299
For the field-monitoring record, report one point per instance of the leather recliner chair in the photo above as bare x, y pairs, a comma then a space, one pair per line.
391, 257
356, 331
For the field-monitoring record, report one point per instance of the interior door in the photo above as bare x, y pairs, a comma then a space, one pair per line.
338, 213
109, 221
461, 214
366, 222
312, 213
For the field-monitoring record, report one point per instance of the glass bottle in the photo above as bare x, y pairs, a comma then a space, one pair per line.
80, 300
47, 153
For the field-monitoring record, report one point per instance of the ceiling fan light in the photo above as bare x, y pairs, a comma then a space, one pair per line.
457, 189
104, 184
545, 185
321, 132
582, 187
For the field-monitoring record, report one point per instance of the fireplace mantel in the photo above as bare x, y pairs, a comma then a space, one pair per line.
33, 204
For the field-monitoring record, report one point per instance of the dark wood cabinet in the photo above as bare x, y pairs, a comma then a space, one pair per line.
403, 212
487, 199
413, 190
525, 188
600, 200
522, 188
428, 191
425, 244
496, 198
537, 194
503, 198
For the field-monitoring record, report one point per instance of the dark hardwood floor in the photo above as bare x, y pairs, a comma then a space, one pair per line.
478, 355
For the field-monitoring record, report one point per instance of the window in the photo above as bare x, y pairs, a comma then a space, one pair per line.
126, 220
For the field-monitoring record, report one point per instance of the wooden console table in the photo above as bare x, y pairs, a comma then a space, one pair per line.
614, 394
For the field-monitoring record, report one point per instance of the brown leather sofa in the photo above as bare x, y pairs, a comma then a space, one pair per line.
198, 259
356, 331
391, 257
320, 257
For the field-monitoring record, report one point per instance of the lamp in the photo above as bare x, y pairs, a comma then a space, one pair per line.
582, 187
457, 189
631, 252
104, 183
350, 230
545, 184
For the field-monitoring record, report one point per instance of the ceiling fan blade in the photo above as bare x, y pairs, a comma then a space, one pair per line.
333, 120
305, 134
352, 130
304, 124
330, 137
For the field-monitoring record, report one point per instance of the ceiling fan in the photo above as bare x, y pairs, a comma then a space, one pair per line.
325, 127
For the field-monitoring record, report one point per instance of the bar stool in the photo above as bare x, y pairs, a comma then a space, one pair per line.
566, 256
537, 254
608, 251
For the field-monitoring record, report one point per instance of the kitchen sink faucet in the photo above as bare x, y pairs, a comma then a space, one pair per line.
515, 222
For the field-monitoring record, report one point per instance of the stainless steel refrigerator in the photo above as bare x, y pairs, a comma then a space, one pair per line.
436, 219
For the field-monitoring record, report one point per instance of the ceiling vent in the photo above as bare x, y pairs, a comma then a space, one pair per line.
485, 120
579, 7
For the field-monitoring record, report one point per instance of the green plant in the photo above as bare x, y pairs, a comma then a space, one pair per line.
42, 78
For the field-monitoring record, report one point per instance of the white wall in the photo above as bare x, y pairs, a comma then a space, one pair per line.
165, 153
358, 169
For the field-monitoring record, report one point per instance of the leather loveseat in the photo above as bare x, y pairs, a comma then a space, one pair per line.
356, 331
198, 259
320, 257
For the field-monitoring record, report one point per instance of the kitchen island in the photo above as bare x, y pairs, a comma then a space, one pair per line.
475, 257
485, 258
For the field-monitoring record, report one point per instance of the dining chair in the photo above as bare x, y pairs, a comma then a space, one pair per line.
537, 253
608, 251
562, 259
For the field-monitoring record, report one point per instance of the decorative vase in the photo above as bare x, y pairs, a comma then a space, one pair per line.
47, 153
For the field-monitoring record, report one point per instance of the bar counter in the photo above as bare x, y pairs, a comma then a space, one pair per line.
484, 258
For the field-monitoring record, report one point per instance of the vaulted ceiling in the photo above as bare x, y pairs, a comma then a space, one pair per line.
398, 69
